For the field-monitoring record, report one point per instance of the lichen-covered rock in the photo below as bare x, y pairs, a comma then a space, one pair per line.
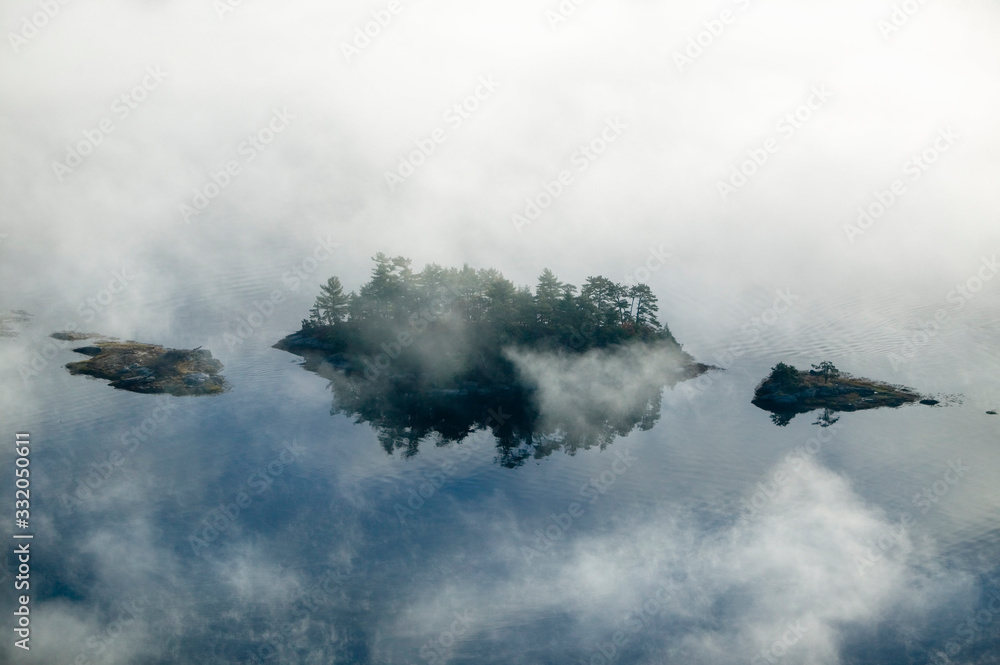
150, 368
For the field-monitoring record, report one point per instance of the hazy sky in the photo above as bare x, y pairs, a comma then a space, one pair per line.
682, 125
117, 115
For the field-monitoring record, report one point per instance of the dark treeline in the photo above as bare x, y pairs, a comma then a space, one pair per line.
398, 305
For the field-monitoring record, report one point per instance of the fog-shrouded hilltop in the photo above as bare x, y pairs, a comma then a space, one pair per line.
447, 351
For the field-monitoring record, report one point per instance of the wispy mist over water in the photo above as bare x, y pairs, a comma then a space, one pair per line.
657, 184
797, 182
601, 387
794, 579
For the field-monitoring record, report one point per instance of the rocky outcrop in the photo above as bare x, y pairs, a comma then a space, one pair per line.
150, 368
809, 391
316, 352
301, 341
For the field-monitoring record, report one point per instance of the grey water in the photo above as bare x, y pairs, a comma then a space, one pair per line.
257, 527
797, 182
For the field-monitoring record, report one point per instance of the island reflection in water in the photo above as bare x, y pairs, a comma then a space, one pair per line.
565, 402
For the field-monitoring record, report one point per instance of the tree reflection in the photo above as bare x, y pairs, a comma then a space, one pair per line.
782, 418
406, 412
826, 418
436, 355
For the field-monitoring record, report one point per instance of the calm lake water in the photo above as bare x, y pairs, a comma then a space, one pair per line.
257, 527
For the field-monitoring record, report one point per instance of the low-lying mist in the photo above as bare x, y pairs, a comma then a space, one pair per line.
602, 393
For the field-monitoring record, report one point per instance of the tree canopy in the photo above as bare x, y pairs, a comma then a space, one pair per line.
827, 369
491, 307
784, 375
331, 305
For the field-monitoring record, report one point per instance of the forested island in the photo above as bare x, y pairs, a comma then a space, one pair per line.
436, 351
399, 310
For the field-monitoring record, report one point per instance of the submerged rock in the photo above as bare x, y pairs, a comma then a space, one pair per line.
150, 368
72, 336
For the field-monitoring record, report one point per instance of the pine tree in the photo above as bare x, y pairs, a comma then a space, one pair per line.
331, 304
645, 307
547, 295
600, 298
827, 369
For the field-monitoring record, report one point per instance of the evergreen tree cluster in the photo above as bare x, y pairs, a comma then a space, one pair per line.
423, 353
486, 306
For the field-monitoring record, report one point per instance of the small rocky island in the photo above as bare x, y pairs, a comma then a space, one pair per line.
789, 391
149, 368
